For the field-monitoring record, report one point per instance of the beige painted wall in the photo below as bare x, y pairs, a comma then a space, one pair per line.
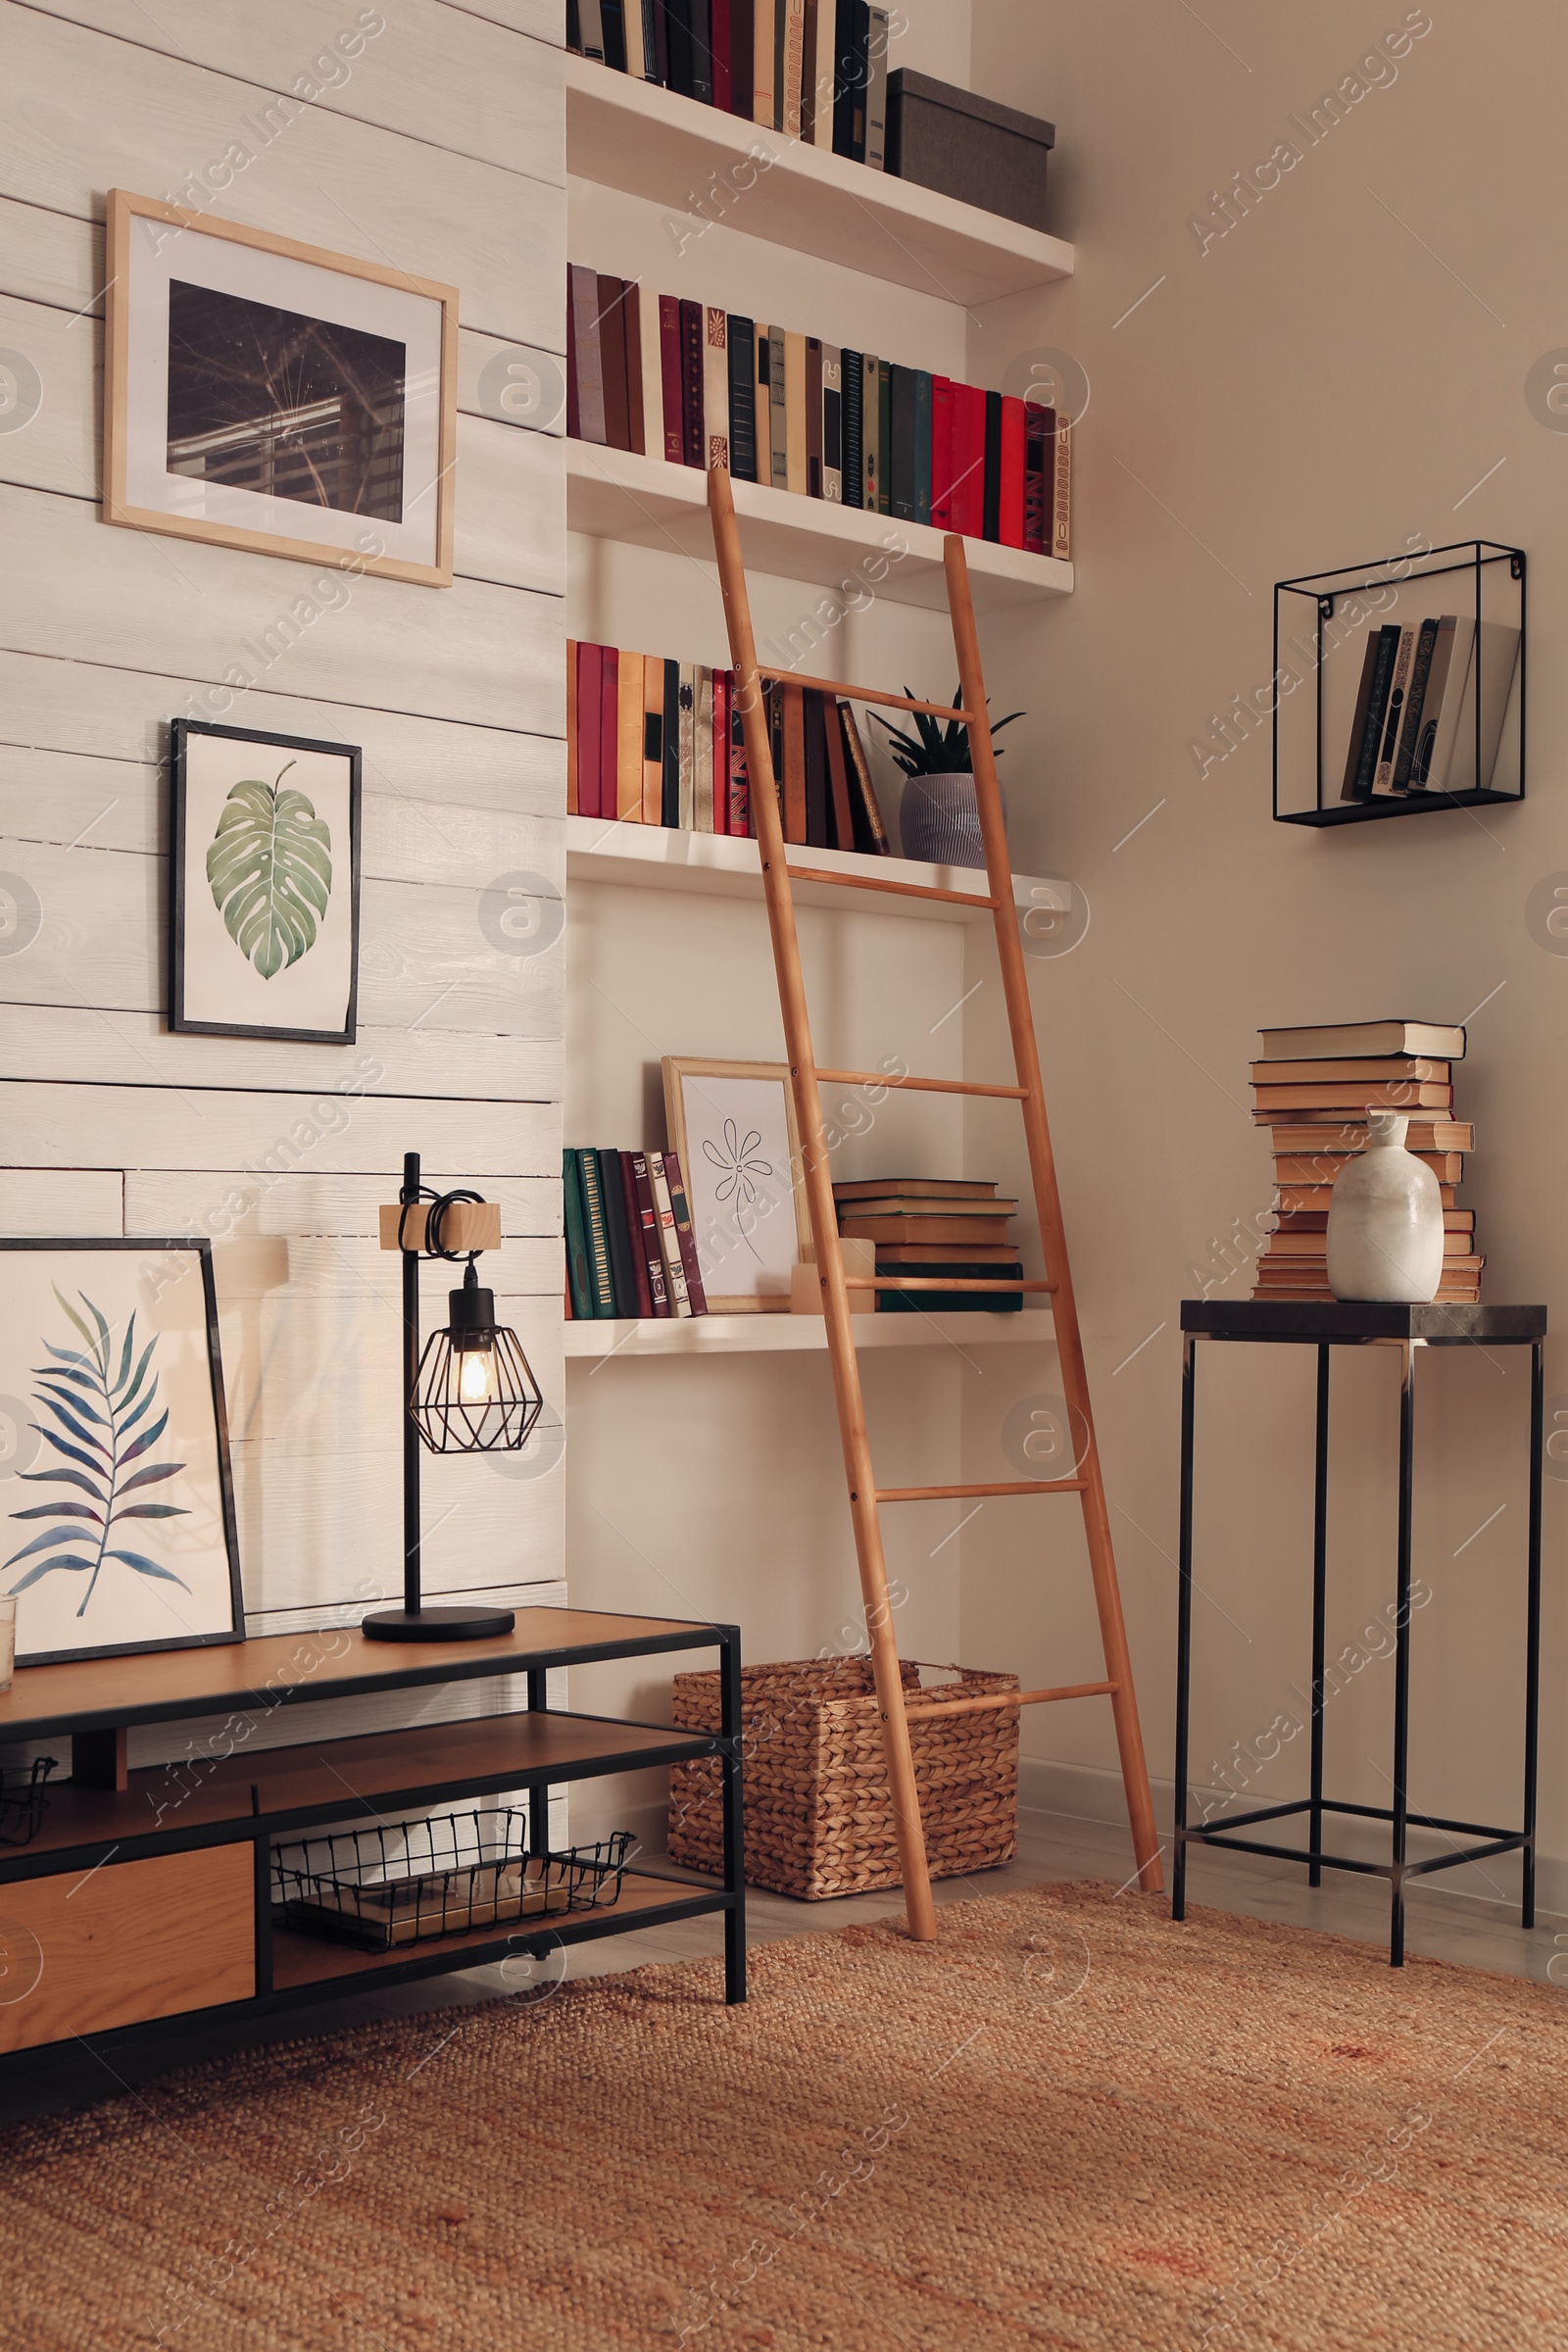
1337, 373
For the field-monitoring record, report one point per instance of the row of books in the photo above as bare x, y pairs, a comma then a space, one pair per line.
655, 742
815, 70
940, 1228
1313, 1091
1415, 728
630, 1246
787, 409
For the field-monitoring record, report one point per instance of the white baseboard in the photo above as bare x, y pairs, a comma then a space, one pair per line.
1088, 1792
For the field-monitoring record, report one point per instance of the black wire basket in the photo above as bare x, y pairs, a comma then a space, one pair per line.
23, 1801
411, 1881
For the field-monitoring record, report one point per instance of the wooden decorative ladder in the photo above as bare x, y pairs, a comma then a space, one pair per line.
865, 1497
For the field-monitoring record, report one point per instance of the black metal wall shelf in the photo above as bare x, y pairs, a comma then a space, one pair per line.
1319, 648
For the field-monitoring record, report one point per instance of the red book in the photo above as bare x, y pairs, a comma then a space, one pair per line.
718, 34
692, 367
685, 1235
740, 796
1040, 427
719, 785
942, 390
589, 707
969, 460
1012, 471
670, 368
634, 1226
608, 733
645, 1233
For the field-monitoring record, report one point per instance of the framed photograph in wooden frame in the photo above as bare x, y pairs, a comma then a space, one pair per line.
116, 1495
273, 395
732, 1124
263, 919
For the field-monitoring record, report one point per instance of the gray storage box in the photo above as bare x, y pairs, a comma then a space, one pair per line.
969, 147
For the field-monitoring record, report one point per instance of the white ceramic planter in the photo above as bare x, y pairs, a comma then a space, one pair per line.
939, 821
1385, 1239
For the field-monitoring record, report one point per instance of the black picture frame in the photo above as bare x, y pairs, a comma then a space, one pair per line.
181, 735
201, 1251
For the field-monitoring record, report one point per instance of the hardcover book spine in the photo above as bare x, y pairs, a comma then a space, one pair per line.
648, 1222
884, 435
809, 69
590, 22
990, 514
794, 414
686, 1239
630, 1208
852, 372
661, 41
849, 85
777, 413
578, 1278
622, 1264
668, 1239
715, 390
636, 60
702, 52
608, 731
1061, 501
678, 37
670, 798
573, 394
613, 362
870, 432
1399, 684
740, 797
816, 787
636, 420
822, 103
590, 713
572, 728
901, 454
1433, 707
814, 417
792, 16
923, 388
841, 821
742, 44
832, 425
719, 767
722, 50
629, 759
601, 1281
574, 27
652, 741
942, 453
590, 365
692, 374
1039, 429
612, 21
687, 743
763, 50
743, 400
1011, 531
669, 373
870, 833
791, 698
876, 92
702, 817
969, 460
1414, 704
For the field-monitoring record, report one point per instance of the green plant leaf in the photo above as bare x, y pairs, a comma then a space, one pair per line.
72, 1315
269, 868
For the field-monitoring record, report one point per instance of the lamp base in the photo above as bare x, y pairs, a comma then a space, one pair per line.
437, 1625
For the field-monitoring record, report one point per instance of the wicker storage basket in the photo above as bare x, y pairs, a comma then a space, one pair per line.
818, 1817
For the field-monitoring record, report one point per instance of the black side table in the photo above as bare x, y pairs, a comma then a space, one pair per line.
1302, 1323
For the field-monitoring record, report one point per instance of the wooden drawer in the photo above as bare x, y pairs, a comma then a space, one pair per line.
132, 1941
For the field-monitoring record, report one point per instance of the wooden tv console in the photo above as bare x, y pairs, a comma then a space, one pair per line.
147, 1895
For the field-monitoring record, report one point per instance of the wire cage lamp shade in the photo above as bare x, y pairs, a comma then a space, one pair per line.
474, 1392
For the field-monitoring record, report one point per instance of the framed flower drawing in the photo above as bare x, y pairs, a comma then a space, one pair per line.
732, 1124
263, 924
117, 1506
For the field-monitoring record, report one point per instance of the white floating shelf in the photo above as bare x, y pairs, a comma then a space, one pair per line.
712, 865
636, 136
798, 1335
648, 501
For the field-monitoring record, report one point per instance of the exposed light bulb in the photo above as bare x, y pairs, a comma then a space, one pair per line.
476, 1377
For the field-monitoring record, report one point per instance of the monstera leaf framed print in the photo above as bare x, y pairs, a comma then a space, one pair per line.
116, 1507
265, 924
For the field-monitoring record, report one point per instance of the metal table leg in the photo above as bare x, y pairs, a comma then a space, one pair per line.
1320, 1554
730, 1729
538, 1798
1184, 1632
1533, 1631
1401, 1661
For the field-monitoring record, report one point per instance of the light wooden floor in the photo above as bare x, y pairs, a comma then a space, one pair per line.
1483, 1935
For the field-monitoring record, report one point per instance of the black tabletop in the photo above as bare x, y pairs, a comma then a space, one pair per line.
1350, 1320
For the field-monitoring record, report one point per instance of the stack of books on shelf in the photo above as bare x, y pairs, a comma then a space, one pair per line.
713, 388
940, 1228
1415, 728
655, 742
815, 70
630, 1248
1314, 1089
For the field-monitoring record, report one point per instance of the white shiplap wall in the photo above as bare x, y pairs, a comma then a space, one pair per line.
438, 147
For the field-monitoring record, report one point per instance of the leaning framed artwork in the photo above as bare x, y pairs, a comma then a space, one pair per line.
115, 1487
263, 929
733, 1125
276, 396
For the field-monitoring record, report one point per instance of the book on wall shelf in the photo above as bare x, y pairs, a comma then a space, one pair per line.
631, 1251
942, 1227
709, 387
1314, 1089
654, 741
1413, 729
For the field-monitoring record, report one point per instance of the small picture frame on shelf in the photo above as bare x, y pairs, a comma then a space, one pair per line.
119, 1502
733, 1125
264, 927
276, 396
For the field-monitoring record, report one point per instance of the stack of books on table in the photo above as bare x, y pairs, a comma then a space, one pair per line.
655, 742
710, 388
938, 1228
630, 1248
815, 70
1313, 1090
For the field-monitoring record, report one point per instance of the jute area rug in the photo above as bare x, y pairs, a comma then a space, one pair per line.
1069, 2123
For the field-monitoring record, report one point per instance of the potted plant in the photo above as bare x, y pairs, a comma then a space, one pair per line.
939, 816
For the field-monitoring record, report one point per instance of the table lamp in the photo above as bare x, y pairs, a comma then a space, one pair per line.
471, 1390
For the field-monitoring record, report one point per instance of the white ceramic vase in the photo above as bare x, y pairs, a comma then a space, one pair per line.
1385, 1237
939, 820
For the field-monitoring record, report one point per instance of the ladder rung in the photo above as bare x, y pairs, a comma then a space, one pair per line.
900, 890
1008, 1698
1028, 1485
922, 1086
938, 1282
868, 694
